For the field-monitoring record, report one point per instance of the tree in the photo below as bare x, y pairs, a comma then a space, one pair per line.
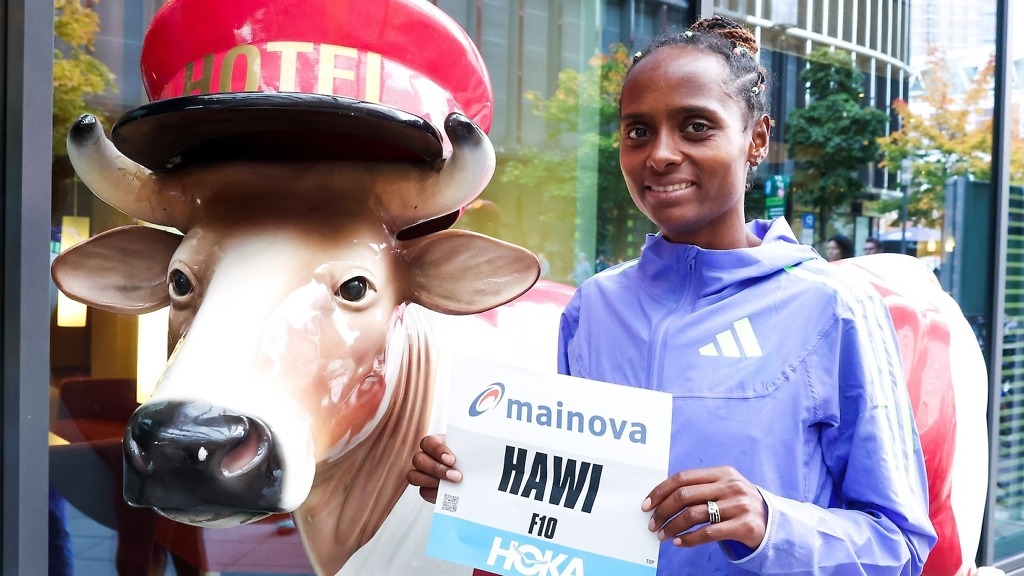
76, 73
949, 134
552, 168
834, 137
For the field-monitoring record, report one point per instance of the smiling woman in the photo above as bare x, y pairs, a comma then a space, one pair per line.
691, 131
816, 348
688, 142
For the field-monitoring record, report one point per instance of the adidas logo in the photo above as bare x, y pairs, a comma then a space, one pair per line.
736, 342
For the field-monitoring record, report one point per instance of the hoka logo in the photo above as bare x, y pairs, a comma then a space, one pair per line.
737, 342
529, 560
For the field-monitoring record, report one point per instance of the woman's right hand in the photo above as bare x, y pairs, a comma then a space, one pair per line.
433, 463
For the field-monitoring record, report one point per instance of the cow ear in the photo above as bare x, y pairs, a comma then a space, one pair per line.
123, 270
461, 272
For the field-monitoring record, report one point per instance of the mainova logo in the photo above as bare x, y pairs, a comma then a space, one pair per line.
487, 399
558, 416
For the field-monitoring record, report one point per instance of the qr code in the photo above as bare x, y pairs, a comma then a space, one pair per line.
450, 503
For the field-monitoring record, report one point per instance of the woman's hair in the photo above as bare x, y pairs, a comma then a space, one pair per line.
736, 45
845, 245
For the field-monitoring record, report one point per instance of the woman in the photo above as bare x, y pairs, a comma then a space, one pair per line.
838, 247
793, 446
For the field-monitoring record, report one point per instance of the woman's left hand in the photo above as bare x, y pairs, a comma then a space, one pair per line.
682, 502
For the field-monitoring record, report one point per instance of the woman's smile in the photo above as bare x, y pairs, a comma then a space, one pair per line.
671, 187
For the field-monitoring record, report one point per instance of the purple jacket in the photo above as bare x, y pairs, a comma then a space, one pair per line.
782, 369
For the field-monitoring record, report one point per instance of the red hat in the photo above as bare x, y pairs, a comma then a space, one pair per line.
302, 79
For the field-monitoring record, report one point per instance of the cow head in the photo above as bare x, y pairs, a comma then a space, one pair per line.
292, 292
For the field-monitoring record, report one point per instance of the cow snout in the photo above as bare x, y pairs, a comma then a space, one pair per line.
201, 463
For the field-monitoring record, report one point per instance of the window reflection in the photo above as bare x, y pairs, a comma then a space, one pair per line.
93, 364
557, 176
1009, 512
557, 190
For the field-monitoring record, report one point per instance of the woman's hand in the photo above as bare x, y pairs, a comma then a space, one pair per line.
433, 463
680, 503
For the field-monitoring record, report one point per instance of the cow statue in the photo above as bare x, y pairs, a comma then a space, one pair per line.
295, 176
948, 386
303, 375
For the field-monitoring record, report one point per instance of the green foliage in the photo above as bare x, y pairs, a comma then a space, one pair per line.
595, 88
831, 72
590, 96
952, 137
76, 74
835, 136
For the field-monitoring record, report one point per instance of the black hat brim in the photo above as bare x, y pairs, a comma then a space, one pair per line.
260, 126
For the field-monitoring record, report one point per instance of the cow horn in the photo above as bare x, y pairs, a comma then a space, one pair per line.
118, 180
465, 173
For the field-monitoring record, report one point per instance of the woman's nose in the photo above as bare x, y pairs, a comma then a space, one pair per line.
664, 153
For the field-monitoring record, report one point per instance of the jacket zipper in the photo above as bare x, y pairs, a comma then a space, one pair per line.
656, 346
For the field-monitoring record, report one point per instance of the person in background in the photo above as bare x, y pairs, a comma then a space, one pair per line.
61, 554
582, 270
873, 246
793, 450
838, 247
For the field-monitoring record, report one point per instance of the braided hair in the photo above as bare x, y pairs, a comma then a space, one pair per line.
736, 45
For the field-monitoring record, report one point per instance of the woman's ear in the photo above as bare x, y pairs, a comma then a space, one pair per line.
759, 140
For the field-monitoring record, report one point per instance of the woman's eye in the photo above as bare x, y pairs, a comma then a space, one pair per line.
636, 132
353, 289
697, 127
180, 284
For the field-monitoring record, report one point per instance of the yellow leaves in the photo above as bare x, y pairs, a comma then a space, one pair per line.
74, 70
950, 136
75, 24
76, 73
950, 124
83, 74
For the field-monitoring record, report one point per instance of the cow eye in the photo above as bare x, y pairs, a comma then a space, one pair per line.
180, 284
354, 289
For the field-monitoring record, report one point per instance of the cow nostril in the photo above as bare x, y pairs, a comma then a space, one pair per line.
136, 458
248, 453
